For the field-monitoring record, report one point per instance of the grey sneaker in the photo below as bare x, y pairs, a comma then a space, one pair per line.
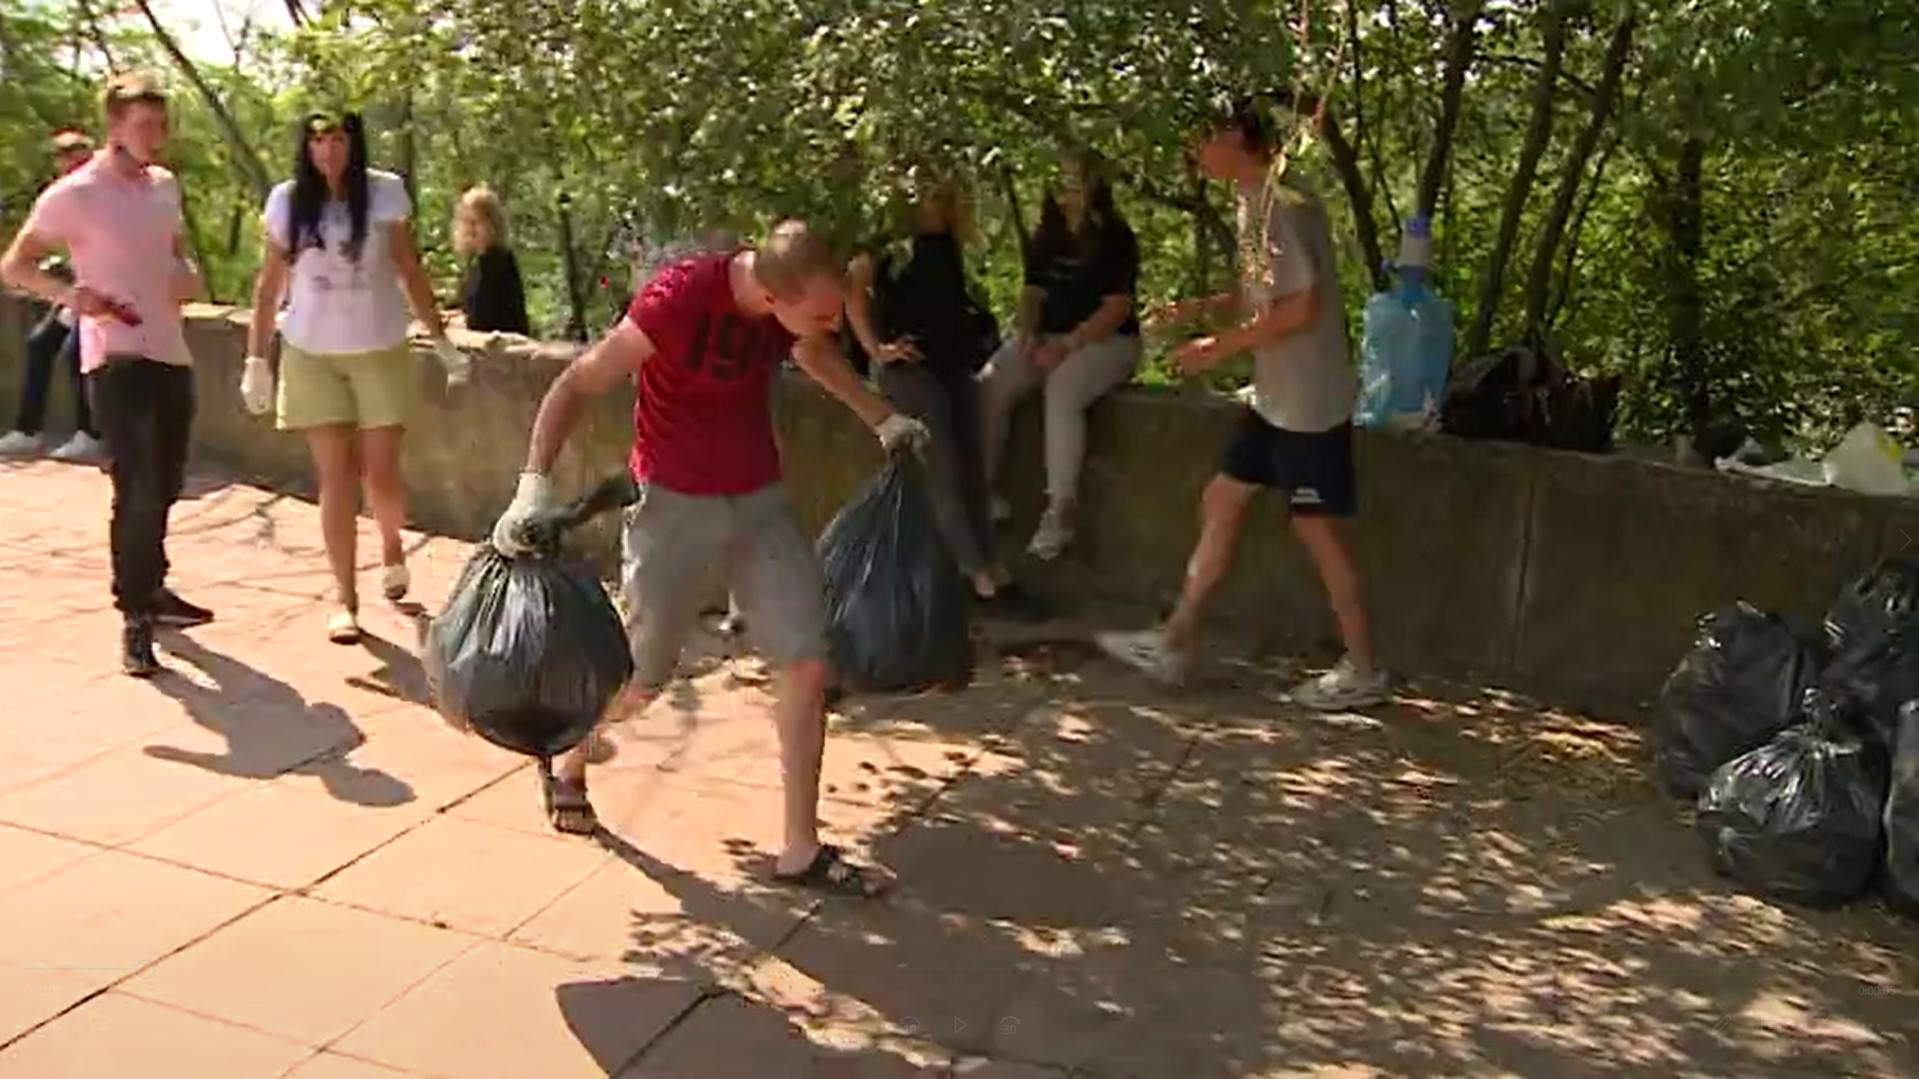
21, 444
1343, 688
1148, 653
82, 448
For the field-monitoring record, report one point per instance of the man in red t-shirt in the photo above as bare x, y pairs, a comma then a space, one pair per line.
705, 338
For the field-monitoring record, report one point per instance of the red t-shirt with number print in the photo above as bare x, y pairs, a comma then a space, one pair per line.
703, 419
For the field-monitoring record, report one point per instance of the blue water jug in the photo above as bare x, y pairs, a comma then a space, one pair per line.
1406, 344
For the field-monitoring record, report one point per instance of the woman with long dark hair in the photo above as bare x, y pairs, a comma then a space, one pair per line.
1078, 337
339, 249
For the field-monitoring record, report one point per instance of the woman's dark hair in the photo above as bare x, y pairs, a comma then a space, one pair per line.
1054, 236
310, 192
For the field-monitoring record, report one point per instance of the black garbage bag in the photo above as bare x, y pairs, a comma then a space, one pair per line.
899, 612
1880, 603
530, 651
1902, 815
1873, 632
1799, 819
1879, 674
1743, 682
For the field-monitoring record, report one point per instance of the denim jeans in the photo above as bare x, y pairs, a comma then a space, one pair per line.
146, 413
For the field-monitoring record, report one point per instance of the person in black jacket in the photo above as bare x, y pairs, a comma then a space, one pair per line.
913, 313
491, 296
1077, 337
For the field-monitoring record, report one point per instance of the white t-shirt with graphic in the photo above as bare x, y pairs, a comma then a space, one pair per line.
335, 303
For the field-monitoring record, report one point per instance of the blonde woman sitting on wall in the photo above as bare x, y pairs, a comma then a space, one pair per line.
339, 249
492, 296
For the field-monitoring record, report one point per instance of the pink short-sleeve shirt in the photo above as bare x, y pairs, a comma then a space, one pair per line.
120, 234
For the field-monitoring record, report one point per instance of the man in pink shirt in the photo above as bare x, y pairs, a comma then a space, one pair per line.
118, 217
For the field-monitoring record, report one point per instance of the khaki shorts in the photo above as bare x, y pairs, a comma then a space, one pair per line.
678, 546
352, 389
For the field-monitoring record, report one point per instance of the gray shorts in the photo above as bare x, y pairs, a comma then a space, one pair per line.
677, 547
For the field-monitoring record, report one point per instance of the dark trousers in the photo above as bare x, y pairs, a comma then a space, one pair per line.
146, 414
947, 402
51, 343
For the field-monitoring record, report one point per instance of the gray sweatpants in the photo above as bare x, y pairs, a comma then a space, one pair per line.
1070, 389
675, 546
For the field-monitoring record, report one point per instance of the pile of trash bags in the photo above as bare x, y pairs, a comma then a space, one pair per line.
529, 651
899, 612
1802, 747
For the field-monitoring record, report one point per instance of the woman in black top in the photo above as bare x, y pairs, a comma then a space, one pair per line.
492, 296
1078, 338
911, 309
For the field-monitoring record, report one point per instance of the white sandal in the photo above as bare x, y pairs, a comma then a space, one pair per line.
395, 581
343, 627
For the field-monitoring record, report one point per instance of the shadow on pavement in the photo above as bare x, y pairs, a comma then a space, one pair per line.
269, 729
1129, 883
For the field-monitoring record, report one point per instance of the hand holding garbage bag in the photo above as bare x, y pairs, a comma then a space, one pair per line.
1742, 683
1798, 819
898, 609
529, 650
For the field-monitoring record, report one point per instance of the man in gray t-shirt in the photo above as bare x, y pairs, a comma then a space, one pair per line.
1297, 438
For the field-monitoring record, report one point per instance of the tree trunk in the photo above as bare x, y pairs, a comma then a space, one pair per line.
1569, 254
243, 156
1539, 280
575, 295
1346, 164
1539, 130
1460, 47
1685, 223
409, 153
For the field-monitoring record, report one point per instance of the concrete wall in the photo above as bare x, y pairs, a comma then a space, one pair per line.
1575, 577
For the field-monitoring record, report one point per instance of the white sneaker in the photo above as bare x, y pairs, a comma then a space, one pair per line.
1148, 653
1052, 537
82, 448
1343, 688
21, 444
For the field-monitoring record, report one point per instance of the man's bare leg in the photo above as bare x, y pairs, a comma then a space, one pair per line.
799, 715
1165, 654
1326, 544
1222, 517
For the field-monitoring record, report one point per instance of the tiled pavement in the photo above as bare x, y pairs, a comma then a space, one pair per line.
274, 861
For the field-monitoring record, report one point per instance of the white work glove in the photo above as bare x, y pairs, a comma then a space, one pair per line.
533, 497
256, 385
901, 432
454, 361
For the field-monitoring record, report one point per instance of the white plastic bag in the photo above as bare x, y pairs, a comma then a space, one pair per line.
1867, 460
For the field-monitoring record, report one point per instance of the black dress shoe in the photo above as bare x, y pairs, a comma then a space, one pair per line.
173, 611
136, 648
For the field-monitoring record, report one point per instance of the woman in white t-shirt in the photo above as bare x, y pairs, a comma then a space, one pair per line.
339, 250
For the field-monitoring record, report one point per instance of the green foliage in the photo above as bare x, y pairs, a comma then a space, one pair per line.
1790, 306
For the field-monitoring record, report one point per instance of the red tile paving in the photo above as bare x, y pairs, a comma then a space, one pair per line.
275, 861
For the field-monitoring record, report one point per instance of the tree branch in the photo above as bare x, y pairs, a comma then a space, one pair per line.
1538, 282
248, 162
1346, 164
1460, 47
1539, 129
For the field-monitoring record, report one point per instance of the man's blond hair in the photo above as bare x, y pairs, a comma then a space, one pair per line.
792, 257
130, 88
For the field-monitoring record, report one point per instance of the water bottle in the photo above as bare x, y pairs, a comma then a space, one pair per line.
1406, 346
